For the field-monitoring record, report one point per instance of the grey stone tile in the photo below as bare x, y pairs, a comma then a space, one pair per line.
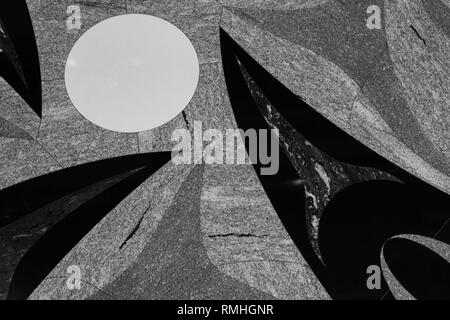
246, 240
71, 138
439, 13
159, 139
211, 104
19, 236
331, 30
8, 130
371, 129
409, 128
386, 94
198, 19
322, 176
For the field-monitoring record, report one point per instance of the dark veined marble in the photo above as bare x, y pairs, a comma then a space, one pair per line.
39, 226
322, 175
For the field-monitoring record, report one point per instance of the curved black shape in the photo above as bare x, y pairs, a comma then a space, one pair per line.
360, 219
357, 222
46, 253
19, 59
23, 198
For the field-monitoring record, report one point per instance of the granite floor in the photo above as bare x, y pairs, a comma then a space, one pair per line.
201, 231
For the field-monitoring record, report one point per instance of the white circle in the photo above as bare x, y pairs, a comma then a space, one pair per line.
132, 73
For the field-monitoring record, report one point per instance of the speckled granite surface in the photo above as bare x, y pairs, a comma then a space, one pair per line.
199, 20
317, 66
210, 231
420, 57
400, 293
174, 265
29, 160
14, 110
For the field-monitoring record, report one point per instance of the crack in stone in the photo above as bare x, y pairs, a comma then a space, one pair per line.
418, 34
238, 235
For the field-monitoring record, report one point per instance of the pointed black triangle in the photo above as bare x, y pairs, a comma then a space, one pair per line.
361, 218
19, 58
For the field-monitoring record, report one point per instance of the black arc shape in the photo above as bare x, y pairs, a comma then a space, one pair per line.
360, 218
313, 126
